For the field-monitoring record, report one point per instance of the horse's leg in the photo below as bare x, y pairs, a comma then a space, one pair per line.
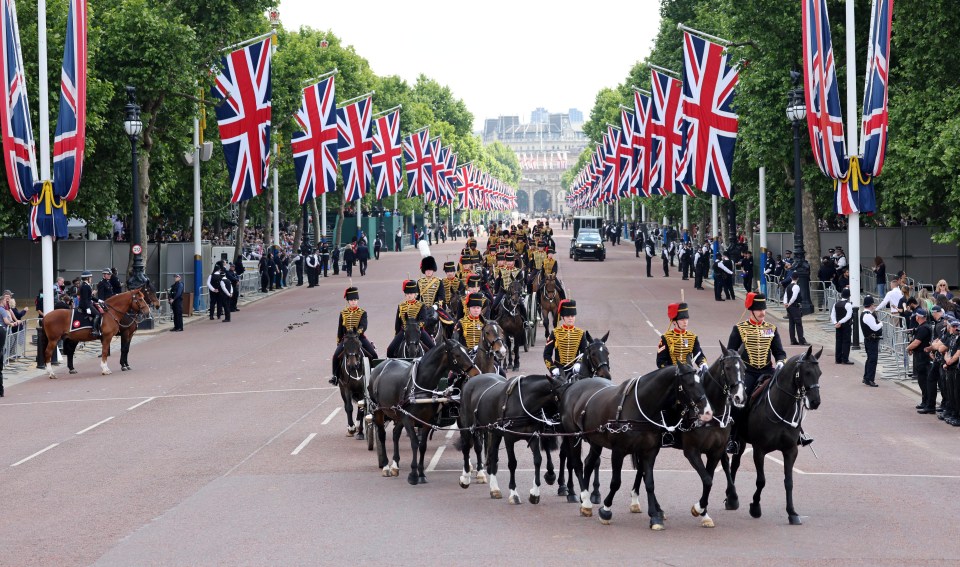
550, 476
466, 441
347, 408
647, 459
493, 461
789, 458
593, 459
381, 430
359, 420
732, 501
699, 509
616, 462
478, 449
562, 467
413, 477
125, 339
395, 463
595, 493
424, 435
535, 447
48, 356
514, 498
516, 352
635, 507
758, 457
105, 353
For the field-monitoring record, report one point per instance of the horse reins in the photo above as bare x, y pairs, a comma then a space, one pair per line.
801, 393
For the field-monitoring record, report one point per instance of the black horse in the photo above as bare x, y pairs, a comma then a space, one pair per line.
507, 410
431, 324
629, 419
723, 384
773, 420
402, 391
511, 320
350, 380
491, 350
412, 346
594, 363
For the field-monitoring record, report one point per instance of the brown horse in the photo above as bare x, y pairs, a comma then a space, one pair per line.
549, 303
121, 315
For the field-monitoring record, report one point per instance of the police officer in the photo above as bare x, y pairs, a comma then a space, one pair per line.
648, 252
324, 253
951, 386
87, 304
410, 308
920, 349
872, 331
176, 303
678, 343
665, 258
746, 269
566, 342
791, 300
225, 297
939, 334
312, 267
215, 289
104, 287
298, 263
234, 279
841, 317
353, 319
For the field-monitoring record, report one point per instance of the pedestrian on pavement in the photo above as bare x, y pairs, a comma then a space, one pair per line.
363, 255
298, 264
398, 241
728, 276
841, 316
214, 289
872, 331
335, 261
175, 299
950, 350
648, 252
666, 262
312, 264
746, 270
791, 301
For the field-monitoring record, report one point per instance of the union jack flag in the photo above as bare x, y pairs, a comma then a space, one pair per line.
436, 170
465, 185
315, 148
355, 145
640, 176
70, 137
450, 175
709, 122
244, 86
419, 163
387, 169
667, 152
19, 149
873, 136
824, 120
625, 153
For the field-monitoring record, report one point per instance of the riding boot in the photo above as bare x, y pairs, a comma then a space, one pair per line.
333, 377
732, 446
804, 439
96, 327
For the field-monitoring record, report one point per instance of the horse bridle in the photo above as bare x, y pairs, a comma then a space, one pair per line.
798, 397
724, 420
358, 367
135, 316
488, 346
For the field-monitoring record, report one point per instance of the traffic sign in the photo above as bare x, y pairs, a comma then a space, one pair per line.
137, 249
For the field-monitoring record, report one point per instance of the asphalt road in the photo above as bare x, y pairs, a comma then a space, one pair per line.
226, 446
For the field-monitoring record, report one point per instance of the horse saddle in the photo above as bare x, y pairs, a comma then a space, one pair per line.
759, 388
80, 320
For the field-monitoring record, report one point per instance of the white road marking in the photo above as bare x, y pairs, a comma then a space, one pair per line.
303, 444
198, 395
40, 452
133, 407
331, 416
99, 423
450, 433
436, 459
651, 325
838, 474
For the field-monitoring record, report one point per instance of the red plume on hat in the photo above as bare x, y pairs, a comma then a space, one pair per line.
672, 310
748, 302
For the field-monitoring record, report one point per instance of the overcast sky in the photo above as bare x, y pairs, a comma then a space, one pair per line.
500, 57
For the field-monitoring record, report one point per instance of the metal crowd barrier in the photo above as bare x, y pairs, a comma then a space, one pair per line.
15, 344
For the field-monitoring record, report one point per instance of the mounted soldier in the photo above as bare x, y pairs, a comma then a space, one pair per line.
551, 266
678, 343
410, 308
353, 319
504, 279
567, 343
469, 329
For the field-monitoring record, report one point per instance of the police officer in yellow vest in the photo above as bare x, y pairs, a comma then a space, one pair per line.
410, 308
678, 343
567, 342
352, 320
469, 329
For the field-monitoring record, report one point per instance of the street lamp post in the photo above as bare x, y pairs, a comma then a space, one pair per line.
133, 127
796, 113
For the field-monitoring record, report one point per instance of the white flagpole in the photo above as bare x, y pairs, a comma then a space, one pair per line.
763, 228
323, 216
714, 225
46, 242
686, 217
276, 152
197, 220
853, 219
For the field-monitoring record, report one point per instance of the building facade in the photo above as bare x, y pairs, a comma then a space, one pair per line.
546, 147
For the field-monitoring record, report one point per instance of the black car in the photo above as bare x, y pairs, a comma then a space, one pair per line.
588, 245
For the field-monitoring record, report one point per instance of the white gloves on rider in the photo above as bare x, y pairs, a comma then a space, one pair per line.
779, 364
576, 368
704, 368
555, 372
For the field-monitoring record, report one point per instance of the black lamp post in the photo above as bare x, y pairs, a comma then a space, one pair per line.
133, 127
796, 113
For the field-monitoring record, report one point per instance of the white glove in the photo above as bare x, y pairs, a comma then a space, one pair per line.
704, 368
555, 372
779, 364
434, 306
576, 368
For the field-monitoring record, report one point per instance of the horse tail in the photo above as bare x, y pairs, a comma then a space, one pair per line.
463, 443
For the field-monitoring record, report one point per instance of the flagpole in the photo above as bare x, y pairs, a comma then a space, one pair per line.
319, 78
248, 41
276, 148
355, 99
720, 40
46, 242
763, 229
686, 217
853, 219
665, 70
714, 222
641, 91
387, 111
197, 220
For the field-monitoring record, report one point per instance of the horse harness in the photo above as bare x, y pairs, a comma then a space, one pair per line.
727, 416
800, 394
135, 316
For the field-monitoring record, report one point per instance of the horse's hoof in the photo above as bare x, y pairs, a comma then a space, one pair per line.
795, 520
534, 498
465, 481
72, 371
106, 372
495, 494
412, 478
755, 509
635, 509
731, 504
586, 512
481, 478
394, 470
605, 516
350, 432
514, 499
359, 436
562, 490
123, 369
707, 522
595, 497
386, 472
52, 376
573, 499
423, 479
693, 511
656, 524
550, 477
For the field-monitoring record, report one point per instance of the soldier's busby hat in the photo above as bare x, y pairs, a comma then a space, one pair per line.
509, 257
410, 286
86, 275
351, 293
501, 256
677, 311
473, 280
467, 260
551, 249
568, 307
755, 301
475, 300
428, 263
472, 242
450, 266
